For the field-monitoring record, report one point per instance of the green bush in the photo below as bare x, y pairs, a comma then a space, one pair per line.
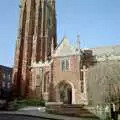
35, 102
17, 104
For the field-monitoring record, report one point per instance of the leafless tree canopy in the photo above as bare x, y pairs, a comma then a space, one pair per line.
104, 82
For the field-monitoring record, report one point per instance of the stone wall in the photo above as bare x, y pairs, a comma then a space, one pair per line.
71, 76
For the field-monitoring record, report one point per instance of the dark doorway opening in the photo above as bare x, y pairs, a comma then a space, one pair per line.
65, 93
69, 93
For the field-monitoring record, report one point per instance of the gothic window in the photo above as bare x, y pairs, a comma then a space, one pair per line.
82, 72
45, 84
38, 76
46, 80
65, 64
37, 80
81, 75
82, 86
82, 79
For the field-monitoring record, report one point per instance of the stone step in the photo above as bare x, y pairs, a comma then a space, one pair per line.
70, 110
73, 106
73, 114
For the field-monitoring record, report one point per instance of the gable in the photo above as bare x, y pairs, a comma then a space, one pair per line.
64, 49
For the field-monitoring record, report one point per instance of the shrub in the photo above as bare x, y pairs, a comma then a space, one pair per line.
17, 104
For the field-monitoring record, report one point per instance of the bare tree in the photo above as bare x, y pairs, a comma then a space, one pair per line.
104, 82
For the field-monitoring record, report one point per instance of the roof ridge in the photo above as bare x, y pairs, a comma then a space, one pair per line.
107, 46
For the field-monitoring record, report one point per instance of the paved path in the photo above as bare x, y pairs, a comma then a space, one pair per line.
37, 116
35, 113
20, 117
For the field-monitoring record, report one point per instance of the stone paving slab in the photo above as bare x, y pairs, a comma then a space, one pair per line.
45, 115
19, 117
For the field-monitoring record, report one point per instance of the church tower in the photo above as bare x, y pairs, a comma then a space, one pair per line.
36, 38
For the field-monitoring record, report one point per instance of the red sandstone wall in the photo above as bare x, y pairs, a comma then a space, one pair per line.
72, 75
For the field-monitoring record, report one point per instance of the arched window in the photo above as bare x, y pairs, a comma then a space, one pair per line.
46, 81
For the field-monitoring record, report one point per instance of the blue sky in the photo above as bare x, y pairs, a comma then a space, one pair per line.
97, 22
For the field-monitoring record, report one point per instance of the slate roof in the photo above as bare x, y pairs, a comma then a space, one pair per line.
101, 53
111, 52
5, 68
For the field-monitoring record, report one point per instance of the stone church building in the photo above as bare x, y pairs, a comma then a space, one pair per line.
43, 69
62, 78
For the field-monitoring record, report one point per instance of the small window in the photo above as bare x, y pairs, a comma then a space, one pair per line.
4, 76
3, 84
9, 76
64, 65
67, 64
8, 85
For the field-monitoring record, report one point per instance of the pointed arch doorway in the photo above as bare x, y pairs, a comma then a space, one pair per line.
64, 93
